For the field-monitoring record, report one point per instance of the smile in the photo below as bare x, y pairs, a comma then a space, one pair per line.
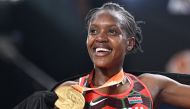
102, 51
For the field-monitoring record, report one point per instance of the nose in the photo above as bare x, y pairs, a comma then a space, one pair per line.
102, 37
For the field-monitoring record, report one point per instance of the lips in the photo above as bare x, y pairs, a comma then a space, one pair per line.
102, 51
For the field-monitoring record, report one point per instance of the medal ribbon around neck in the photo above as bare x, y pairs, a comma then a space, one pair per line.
70, 97
116, 79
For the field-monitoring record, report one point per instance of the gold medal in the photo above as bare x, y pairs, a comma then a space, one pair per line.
69, 98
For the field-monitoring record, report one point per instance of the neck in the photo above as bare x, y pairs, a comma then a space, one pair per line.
103, 75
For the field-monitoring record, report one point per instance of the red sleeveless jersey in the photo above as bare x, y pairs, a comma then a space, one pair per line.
136, 97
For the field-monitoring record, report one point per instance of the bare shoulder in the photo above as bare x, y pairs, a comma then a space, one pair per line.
149, 75
150, 80
155, 78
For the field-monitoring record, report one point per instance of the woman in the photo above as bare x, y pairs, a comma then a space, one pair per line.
112, 34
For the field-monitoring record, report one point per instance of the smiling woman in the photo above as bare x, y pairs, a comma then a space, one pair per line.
106, 41
112, 34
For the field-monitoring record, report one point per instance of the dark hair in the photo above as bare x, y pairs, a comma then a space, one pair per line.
130, 25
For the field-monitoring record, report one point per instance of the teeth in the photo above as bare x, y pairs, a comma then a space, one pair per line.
102, 49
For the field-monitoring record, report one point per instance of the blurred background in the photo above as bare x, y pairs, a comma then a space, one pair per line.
44, 41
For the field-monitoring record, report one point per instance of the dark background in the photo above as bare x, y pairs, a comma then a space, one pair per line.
51, 34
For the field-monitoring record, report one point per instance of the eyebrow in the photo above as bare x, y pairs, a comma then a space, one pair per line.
107, 25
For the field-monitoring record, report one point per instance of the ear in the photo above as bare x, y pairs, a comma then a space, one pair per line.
130, 43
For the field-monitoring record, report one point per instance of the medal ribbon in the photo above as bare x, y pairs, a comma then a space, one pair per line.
116, 79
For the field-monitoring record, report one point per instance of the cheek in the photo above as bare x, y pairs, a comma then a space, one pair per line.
89, 42
119, 42
120, 47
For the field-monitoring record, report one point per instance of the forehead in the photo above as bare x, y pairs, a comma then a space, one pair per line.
106, 16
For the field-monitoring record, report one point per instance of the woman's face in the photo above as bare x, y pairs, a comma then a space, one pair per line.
107, 42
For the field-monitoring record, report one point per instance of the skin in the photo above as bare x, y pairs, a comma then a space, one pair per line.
105, 31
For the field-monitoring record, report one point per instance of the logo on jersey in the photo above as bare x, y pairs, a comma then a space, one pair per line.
135, 99
96, 102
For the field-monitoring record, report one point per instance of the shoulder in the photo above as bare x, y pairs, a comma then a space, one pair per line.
156, 78
156, 83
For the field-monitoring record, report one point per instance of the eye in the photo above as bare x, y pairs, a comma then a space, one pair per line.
92, 31
113, 32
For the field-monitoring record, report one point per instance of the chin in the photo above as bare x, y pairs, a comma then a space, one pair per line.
101, 64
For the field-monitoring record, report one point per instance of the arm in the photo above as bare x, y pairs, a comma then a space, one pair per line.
175, 93
167, 90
